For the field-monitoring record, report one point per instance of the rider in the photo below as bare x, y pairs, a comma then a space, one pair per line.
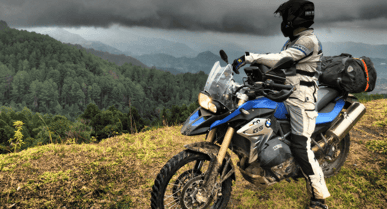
304, 47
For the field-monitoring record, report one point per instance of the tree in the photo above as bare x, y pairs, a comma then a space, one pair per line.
33, 60
54, 75
49, 50
100, 121
119, 93
80, 96
34, 74
35, 92
74, 97
23, 65
42, 70
4, 86
49, 93
134, 121
90, 112
58, 109
95, 92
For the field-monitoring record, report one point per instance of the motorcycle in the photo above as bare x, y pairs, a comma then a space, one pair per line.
252, 121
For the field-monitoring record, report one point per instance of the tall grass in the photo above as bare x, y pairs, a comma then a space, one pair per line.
365, 97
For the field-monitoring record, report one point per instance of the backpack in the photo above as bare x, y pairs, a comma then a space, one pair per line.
349, 74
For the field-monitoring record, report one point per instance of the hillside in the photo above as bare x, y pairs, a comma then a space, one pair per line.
120, 171
119, 60
50, 77
64, 36
138, 45
202, 62
97, 48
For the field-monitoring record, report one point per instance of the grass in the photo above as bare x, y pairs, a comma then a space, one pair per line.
119, 172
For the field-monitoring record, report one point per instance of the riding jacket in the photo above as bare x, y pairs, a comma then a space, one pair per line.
306, 49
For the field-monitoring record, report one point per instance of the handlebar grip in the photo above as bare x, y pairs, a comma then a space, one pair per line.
281, 86
276, 86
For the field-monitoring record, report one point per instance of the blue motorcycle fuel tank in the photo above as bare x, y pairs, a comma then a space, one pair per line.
198, 124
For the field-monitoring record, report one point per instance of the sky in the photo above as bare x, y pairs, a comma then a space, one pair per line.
250, 24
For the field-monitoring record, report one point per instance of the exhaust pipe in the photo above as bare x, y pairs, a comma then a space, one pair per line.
343, 124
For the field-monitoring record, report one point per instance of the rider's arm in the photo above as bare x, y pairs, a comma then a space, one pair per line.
303, 47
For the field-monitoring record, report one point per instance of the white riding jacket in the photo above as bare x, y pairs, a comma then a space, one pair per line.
305, 45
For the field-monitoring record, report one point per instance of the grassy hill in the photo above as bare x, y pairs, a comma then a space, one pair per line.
119, 172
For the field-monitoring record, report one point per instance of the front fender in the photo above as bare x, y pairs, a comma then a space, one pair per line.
211, 150
199, 122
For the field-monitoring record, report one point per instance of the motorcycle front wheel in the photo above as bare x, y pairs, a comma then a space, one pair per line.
176, 184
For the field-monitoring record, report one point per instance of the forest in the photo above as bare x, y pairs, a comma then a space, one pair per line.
63, 93
42, 79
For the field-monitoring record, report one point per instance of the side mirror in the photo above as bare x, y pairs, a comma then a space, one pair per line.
223, 55
284, 63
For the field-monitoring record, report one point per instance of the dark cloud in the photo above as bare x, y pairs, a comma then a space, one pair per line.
248, 16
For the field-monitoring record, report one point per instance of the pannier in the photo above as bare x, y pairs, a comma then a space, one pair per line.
349, 74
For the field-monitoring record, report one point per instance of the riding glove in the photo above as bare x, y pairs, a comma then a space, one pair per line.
238, 63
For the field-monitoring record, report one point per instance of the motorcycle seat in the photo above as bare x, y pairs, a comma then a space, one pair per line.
324, 96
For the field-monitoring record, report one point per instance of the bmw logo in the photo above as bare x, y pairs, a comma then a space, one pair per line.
268, 123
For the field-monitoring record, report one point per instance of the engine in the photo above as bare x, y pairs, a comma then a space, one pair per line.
277, 159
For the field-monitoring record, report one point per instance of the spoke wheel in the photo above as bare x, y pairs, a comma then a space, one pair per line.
189, 198
179, 179
333, 166
182, 181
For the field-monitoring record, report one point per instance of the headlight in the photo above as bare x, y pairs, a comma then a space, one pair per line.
206, 102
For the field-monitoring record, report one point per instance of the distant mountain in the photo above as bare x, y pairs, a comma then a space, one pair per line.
97, 48
202, 62
3, 25
356, 49
63, 35
67, 37
114, 58
97, 45
143, 45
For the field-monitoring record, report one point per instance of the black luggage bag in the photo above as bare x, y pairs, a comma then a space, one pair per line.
352, 75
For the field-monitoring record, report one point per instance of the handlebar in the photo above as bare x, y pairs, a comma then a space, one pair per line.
271, 84
266, 89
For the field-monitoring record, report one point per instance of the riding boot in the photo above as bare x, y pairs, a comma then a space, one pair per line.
316, 203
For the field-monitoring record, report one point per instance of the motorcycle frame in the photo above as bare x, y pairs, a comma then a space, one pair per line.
238, 148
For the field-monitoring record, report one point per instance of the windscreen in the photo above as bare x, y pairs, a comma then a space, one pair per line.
220, 85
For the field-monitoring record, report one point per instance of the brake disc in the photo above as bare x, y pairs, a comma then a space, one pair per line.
182, 180
194, 195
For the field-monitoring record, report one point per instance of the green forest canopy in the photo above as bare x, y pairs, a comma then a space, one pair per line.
41, 73
61, 92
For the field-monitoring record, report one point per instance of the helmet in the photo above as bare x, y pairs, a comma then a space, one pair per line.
295, 14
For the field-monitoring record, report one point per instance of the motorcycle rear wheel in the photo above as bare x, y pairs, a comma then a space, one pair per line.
332, 167
172, 174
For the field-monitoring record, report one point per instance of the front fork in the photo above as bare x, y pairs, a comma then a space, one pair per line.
227, 138
209, 180
210, 138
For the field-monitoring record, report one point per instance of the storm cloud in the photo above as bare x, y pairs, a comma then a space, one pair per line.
247, 16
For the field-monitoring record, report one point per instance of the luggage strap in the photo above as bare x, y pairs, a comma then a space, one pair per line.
366, 71
306, 83
310, 74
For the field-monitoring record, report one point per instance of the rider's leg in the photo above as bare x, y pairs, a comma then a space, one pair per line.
302, 121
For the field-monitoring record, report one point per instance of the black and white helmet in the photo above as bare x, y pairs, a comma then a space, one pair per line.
295, 14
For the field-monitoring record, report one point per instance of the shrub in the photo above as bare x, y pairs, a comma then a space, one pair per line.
17, 140
80, 132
